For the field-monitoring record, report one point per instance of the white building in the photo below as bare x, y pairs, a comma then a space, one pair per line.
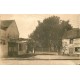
22, 46
8, 35
71, 42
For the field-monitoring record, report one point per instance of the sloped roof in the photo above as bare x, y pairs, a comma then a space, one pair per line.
72, 34
5, 24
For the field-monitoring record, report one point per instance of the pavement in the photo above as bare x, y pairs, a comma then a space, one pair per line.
39, 59
55, 57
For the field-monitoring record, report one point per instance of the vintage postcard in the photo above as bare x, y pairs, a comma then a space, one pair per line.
40, 39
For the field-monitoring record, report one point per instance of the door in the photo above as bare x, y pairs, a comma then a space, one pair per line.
71, 50
12, 49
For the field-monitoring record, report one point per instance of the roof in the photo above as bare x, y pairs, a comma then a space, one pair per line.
5, 24
72, 34
22, 39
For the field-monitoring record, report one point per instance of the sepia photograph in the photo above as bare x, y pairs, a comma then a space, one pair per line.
40, 39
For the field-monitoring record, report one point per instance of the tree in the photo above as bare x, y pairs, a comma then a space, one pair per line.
30, 46
49, 33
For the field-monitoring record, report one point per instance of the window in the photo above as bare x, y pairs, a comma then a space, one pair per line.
71, 41
77, 49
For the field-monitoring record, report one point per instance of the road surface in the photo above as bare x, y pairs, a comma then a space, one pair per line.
43, 60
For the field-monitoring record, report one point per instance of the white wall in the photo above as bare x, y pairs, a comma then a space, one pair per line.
12, 31
65, 42
77, 41
23, 51
77, 44
3, 47
2, 34
3, 50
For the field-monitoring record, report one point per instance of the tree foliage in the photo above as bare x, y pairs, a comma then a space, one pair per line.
49, 33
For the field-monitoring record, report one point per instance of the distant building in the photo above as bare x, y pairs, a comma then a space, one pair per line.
9, 34
71, 42
22, 46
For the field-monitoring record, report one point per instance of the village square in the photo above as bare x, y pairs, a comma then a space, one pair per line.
52, 39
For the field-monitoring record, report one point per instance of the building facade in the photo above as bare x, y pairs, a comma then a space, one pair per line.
71, 42
9, 34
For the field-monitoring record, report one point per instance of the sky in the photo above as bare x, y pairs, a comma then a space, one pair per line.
26, 23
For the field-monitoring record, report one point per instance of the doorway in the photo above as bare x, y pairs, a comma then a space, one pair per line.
12, 49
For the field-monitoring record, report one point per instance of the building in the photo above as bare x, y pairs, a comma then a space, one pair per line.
71, 42
9, 35
22, 46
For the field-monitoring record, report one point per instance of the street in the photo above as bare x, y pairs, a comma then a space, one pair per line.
40, 62
43, 60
